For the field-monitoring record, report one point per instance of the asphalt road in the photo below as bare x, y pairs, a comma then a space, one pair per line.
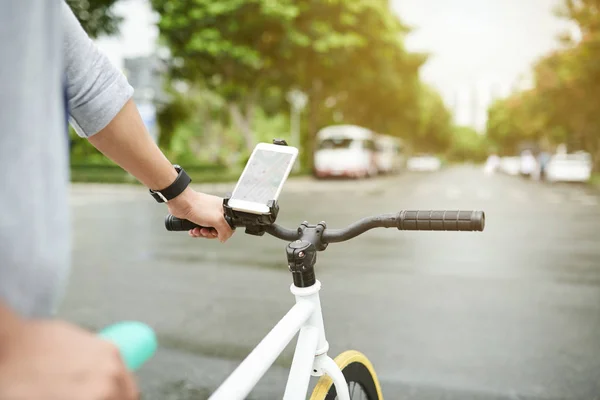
510, 313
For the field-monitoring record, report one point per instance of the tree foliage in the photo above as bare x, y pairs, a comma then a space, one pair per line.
562, 106
434, 129
96, 16
467, 145
239, 58
348, 56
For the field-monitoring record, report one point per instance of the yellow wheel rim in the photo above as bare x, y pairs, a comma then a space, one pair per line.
343, 360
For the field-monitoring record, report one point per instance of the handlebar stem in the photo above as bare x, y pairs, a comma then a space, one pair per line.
302, 253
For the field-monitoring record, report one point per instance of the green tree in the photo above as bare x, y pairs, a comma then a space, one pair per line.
519, 119
96, 16
434, 131
561, 108
347, 55
230, 47
354, 68
467, 145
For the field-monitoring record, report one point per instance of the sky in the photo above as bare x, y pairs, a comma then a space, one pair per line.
477, 47
138, 32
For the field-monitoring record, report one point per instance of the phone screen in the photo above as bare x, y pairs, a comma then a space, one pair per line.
262, 177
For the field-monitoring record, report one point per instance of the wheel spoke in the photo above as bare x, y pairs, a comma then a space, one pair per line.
355, 388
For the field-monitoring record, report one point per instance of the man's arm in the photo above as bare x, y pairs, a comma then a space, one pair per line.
96, 89
126, 141
102, 110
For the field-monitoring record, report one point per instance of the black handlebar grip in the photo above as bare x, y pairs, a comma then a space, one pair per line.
441, 220
175, 224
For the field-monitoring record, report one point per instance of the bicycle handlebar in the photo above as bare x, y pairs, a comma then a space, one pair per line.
175, 224
404, 220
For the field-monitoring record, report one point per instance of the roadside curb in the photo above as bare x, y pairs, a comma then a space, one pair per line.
94, 193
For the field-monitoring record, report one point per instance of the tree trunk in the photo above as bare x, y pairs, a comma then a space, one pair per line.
242, 123
219, 144
214, 142
308, 135
250, 114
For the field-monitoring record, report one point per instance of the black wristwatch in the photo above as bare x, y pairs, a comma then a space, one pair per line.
179, 185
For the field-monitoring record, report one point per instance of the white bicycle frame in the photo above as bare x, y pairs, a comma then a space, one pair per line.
310, 356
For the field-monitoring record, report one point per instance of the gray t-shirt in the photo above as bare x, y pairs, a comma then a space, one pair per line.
43, 50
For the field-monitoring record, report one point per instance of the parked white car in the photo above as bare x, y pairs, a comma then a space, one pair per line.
510, 165
575, 167
492, 164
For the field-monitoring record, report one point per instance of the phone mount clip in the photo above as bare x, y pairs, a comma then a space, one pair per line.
255, 223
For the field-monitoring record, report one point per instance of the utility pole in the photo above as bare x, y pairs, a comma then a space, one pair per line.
298, 101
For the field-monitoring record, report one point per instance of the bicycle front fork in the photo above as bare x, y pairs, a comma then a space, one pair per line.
310, 356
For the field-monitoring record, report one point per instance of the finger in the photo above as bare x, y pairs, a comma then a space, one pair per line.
195, 232
224, 231
198, 233
126, 386
208, 236
130, 387
208, 233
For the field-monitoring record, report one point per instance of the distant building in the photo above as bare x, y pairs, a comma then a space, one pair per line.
470, 102
147, 76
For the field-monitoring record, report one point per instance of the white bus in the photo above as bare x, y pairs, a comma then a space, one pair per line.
345, 151
356, 152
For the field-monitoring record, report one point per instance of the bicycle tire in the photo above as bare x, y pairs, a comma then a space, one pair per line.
357, 369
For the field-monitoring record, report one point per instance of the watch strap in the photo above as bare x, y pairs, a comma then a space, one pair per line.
174, 189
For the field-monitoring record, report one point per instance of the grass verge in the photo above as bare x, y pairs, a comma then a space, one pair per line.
114, 174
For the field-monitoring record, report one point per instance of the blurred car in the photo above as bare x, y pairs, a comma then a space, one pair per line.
527, 163
492, 164
510, 165
424, 163
575, 167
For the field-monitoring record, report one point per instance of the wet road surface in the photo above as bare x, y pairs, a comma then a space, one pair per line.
510, 313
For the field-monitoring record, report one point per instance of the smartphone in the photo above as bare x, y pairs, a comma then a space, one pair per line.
263, 177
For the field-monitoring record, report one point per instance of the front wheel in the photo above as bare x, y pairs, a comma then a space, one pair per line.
360, 376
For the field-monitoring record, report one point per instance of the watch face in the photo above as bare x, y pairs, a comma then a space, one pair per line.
177, 167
